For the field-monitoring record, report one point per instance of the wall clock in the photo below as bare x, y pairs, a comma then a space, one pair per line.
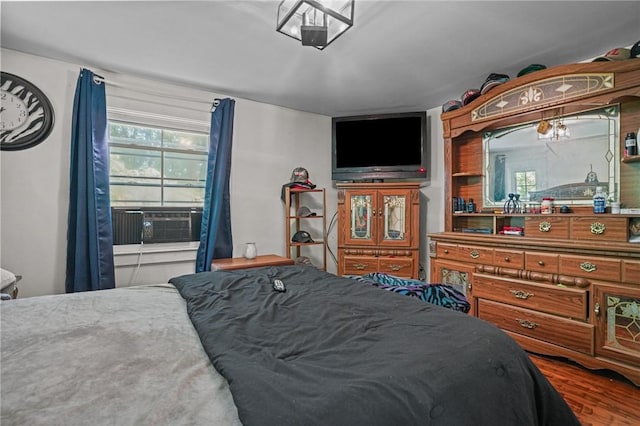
26, 114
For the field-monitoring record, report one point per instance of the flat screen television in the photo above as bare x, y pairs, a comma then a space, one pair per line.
379, 147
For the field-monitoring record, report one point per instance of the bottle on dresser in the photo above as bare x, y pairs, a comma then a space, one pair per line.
599, 200
630, 145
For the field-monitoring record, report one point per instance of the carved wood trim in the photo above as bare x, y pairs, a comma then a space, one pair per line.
553, 89
377, 252
523, 274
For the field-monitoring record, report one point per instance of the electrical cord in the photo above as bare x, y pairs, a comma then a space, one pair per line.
135, 271
332, 223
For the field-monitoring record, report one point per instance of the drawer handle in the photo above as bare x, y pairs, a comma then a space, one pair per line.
446, 251
474, 254
527, 324
520, 294
544, 226
359, 266
541, 262
598, 228
588, 266
506, 259
395, 267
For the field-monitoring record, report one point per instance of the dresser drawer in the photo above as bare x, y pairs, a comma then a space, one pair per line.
446, 251
599, 228
508, 258
631, 271
564, 301
598, 268
475, 254
541, 226
360, 265
571, 334
400, 267
541, 262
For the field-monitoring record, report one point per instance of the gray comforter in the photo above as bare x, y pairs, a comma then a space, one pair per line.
113, 357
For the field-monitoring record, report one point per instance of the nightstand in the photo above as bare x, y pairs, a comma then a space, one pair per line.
243, 263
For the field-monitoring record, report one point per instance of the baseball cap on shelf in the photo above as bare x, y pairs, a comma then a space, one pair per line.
617, 54
300, 179
302, 237
493, 80
531, 68
635, 50
299, 174
469, 95
304, 211
451, 105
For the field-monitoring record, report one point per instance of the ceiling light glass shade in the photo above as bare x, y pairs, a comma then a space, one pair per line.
331, 16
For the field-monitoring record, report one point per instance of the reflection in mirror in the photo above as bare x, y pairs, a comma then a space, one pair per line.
564, 157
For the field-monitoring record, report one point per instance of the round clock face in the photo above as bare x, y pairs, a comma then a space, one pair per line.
26, 115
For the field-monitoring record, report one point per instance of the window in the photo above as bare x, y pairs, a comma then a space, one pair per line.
155, 166
525, 182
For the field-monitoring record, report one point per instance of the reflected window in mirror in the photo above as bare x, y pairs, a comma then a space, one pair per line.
575, 154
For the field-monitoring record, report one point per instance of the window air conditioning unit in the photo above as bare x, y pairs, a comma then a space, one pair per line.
155, 225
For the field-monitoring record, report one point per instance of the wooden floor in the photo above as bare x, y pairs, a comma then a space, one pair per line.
597, 398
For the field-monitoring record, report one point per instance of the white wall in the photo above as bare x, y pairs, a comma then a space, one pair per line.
269, 142
432, 205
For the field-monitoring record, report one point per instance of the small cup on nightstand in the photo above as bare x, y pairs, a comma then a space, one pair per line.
250, 251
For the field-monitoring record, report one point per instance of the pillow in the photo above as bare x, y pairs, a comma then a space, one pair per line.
437, 294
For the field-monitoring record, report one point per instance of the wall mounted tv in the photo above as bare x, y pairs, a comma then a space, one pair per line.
379, 147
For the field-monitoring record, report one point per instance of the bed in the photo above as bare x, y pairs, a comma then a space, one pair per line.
226, 348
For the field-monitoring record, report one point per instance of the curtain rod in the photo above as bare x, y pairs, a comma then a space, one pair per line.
98, 80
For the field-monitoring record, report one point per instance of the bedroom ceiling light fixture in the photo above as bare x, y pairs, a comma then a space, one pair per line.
315, 23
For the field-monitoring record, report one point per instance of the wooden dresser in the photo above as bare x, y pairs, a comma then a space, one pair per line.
567, 284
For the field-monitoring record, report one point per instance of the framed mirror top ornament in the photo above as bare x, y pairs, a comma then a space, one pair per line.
26, 114
563, 157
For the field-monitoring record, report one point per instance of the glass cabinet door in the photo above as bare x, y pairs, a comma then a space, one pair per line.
618, 312
394, 217
361, 218
394, 213
457, 276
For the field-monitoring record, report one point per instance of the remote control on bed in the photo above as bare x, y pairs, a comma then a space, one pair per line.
278, 285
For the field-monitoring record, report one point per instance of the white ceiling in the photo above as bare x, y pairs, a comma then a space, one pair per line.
399, 55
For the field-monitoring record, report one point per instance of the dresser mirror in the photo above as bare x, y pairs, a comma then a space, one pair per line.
561, 157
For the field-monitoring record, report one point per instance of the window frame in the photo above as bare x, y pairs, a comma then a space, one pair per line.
163, 178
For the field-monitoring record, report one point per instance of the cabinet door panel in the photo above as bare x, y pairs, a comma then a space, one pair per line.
617, 313
394, 216
360, 206
457, 275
